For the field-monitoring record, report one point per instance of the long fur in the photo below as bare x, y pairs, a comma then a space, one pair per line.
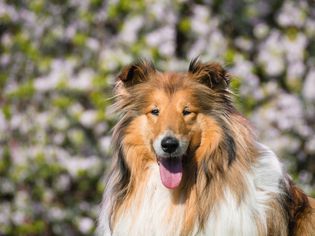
232, 185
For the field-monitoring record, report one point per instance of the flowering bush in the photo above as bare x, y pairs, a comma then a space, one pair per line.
58, 61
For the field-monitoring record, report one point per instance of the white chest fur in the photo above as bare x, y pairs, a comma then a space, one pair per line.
229, 217
151, 216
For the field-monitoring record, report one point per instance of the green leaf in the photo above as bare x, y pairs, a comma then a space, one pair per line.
62, 102
25, 90
6, 110
79, 39
184, 25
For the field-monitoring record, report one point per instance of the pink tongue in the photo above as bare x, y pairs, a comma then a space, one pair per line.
171, 172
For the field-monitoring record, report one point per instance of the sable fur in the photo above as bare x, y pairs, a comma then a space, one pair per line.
219, 162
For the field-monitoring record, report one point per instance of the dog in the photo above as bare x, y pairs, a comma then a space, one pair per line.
186, 162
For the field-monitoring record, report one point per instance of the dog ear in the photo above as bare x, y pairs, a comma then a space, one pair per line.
211, 74
136, 73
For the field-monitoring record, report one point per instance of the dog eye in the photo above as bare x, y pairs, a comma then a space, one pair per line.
155, 112
186, 112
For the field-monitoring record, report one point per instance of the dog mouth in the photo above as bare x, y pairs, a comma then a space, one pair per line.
171, 171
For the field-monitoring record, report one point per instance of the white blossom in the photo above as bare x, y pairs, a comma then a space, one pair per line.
63, 182
310, 145
105, 143
162, 38
83, 81
75, 165
5, 213
56, 213
244, 43
261, 30
294, 47
291, 15
88, 118
271, 54
200, 21
309, 86
85, 224
130, 29
296, 69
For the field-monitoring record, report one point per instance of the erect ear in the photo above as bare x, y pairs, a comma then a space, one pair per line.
136, 73
211, 74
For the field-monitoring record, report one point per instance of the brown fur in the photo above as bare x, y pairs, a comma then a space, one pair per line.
221, 146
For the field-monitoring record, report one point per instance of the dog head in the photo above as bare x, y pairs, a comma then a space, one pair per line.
171, 118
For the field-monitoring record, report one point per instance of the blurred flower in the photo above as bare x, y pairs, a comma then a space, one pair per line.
105, 143
111, 59
5, 213
75, 165
85, 224
58, 138
101, 128
261, 30
271, 54
18, 217
309, 86
61, 123
163, 39
6, 186
76, 136
88, 118
63, 182
296, 70
93, 44
9, 11
6, 40
56, 213
130, 29
244, 43
198, 47
310, 145
294, 48
48, 196
284, 115
21, 201
200, 21
250, 86
310, 27
217, 45
291, 14
83, 81
60, 71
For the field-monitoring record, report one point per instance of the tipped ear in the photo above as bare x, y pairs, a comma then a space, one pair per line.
136, 73
211, 74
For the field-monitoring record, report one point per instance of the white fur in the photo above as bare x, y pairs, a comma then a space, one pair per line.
103, 228
231, 218
150, 218
228, 217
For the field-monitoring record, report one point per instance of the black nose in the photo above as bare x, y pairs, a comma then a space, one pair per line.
169, 144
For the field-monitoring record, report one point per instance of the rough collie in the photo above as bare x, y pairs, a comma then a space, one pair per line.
186, 162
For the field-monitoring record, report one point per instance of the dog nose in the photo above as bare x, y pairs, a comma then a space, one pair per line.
169, 144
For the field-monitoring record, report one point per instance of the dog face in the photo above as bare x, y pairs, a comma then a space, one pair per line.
170, 114
172, 119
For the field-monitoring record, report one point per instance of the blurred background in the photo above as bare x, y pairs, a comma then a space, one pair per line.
58, 62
